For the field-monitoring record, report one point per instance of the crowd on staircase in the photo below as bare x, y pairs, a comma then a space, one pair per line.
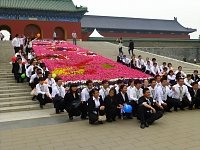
147, 100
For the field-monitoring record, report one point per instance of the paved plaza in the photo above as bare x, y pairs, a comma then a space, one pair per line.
43, 130
175, 131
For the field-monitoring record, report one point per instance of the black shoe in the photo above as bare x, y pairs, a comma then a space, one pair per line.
113, 119
100, 122
175, 109
61, 110
190, 108
142, 126
146, 125
33, 98
84, 118
109, 120
71, 118
129, 117
41, 106
182, 109
168, 111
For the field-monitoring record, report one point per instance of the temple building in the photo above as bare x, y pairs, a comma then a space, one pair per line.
41, 17
134, 27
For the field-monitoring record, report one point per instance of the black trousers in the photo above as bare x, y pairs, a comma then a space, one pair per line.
84, 110
18, 78
16, 49
111, 113
43, 99
130, 51
120, 51
181, 104
170, 103
196, 102
148, 117
94, 117
74, 41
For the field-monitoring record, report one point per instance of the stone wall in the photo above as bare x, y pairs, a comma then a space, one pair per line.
175, 52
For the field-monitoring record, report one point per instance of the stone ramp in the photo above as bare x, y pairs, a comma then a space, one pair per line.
14, 97
110, 50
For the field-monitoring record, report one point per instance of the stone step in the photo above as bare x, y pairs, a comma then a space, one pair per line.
24, 108
14, 94
13, 84
17, 86
19, 98
3, 91
17, 103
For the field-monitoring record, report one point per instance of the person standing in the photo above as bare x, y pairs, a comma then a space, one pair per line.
120, 46
74, 36
146, 111
54, 36
131, 47
16, 43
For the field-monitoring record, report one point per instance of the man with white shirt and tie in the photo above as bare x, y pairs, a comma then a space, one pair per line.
140, 64
104, 91
43, 95
181, 95
152, 87
58, 94
85, 95
158, 82
16, 43
155, 70
163, 95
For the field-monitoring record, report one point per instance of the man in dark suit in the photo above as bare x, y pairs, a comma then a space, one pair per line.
19, 69
195, 94
131, 47
122, 98
195, 76
146, 111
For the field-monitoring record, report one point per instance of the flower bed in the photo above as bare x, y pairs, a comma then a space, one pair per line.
73, 63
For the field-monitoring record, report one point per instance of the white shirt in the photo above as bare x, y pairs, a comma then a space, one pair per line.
42, 89
58, 90
161, 68
148, 67
171, 78
117, 89
31, 56
16, 42
139, 63
104, 92
134, 94
177, 94
155, 70
126, 60
152, 91
33, 77
20, 68
85, 94
161, 94
50, 82
29, 71
188, 82
74, 35
18, 54
182, 73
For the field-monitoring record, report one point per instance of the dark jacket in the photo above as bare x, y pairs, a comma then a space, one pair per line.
192, 93
131, 45
143, 99
91, 105
121, 100
16, 68
195, 78
69, 99
110, 102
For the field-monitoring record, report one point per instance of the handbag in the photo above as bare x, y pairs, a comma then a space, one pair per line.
102, 118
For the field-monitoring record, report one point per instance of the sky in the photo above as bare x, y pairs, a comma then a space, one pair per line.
186, 11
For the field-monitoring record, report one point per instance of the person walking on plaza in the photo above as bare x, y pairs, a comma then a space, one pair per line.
16, 43
74, 36
131, 47
146, 111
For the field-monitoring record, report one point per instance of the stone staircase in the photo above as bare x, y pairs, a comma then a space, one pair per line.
14, 97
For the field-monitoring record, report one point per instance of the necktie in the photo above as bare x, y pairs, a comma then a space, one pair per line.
153, 93
181, 93
138, 94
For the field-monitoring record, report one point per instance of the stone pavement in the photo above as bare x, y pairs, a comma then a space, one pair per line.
175, 131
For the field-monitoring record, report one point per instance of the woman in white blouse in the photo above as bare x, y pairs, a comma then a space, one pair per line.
171, 77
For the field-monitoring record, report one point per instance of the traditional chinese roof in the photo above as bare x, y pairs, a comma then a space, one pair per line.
141, 24
46, 5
